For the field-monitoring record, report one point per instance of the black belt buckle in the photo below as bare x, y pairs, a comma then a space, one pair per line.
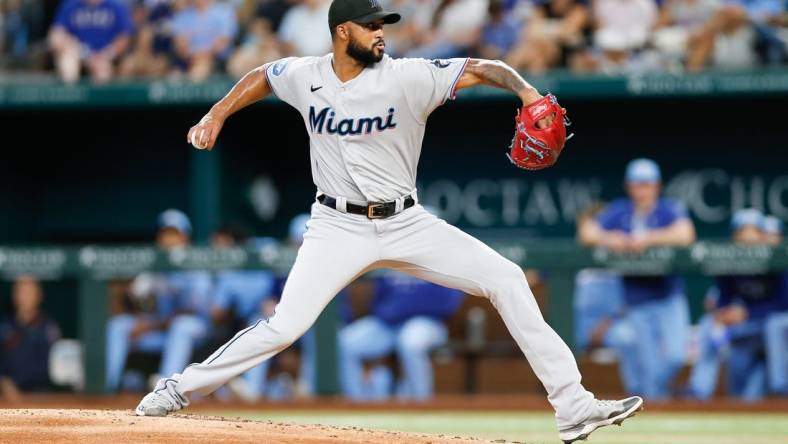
376, 211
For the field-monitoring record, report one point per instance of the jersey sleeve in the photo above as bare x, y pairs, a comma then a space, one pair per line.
283, 78
676, 210
610, 217
124, 23
429, 83
62, 15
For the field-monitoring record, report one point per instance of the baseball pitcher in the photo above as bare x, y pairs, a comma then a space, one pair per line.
366, 114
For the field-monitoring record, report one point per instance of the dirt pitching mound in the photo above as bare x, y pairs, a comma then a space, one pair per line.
122, 426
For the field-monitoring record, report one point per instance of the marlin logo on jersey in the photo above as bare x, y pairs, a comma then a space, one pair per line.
280, 66
324, 119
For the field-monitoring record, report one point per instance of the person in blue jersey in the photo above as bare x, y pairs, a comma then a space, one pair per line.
151, 49
407, 318
740, 306
656, 305
178, 316
89, 33
203, 35
726, 323
244, 296
600, 313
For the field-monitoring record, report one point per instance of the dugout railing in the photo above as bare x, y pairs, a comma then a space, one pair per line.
94, 266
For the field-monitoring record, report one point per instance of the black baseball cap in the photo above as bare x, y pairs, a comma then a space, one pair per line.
359, 11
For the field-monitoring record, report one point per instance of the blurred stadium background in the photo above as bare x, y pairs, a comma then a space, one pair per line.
96, 97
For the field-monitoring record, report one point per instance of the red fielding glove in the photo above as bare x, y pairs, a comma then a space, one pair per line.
535, 148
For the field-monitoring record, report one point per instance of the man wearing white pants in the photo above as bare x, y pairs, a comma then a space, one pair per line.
366, 115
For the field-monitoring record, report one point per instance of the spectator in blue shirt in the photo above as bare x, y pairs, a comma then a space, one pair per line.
500, 33
739, 307
656, 306
180, 320
90, 33
152, 47
25, 340
245, 296
407, 318
203, 35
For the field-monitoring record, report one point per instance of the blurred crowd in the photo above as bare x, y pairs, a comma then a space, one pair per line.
108, 39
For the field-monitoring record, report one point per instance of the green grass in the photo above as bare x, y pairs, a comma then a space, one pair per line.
538, 428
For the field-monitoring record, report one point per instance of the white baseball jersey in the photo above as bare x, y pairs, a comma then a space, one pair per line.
366, 133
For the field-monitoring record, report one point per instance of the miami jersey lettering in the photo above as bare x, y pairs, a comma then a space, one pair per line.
366, 133
363, 125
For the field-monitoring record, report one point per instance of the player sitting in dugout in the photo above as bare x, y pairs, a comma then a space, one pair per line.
407, 317
26, 337
745, 327
169, 313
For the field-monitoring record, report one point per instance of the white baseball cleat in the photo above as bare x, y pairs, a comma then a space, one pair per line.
160, 401
605, 413
155, 404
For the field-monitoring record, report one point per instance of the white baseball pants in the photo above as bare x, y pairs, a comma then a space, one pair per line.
338, 247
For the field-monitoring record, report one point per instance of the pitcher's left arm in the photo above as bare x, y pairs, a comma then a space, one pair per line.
540, 125
499, 75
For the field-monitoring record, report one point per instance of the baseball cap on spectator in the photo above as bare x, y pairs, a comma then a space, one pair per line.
772, 225
359, 11
746, 217
643, 171
175, 219
295, 232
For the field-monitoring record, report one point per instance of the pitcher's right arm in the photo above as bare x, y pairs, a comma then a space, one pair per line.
252, 87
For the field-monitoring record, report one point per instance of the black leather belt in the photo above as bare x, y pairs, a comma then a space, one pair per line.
375, 210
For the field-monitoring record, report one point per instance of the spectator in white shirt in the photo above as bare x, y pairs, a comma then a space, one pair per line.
303, 30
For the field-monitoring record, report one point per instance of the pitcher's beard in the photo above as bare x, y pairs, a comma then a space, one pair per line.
366, 56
